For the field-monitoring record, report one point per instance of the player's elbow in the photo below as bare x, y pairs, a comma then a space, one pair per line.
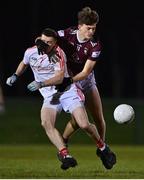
85, 74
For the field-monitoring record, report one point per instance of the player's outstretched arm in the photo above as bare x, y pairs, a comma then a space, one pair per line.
13, 78
89, 65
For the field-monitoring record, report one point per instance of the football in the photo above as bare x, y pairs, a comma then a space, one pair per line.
124, 114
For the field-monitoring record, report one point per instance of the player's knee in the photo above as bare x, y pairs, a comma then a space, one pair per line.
84, 125
46, 125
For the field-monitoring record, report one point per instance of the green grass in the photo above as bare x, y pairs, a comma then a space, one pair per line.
25, 151
40, 161
21, 123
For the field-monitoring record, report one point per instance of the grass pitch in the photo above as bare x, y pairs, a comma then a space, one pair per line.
21, 125
40, 161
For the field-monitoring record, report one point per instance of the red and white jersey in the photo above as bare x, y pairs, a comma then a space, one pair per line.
43, 68
78, 52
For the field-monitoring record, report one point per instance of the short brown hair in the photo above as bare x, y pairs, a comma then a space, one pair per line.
50, 32
88, 16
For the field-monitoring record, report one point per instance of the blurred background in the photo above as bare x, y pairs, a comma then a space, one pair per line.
119, 73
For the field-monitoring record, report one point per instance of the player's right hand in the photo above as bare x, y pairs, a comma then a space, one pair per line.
33, 86
11, 80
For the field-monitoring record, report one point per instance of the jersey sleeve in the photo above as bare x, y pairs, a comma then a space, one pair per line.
29, 51
64, 33
26, 57
63, 42
95, 51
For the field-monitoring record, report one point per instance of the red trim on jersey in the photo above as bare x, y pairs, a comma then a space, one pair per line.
61, 54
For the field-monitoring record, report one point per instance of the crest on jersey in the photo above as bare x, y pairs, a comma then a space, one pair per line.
79, 46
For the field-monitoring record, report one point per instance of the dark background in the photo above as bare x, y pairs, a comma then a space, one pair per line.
119, 73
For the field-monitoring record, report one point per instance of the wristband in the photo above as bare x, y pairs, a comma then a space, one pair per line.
15, 75
42, 84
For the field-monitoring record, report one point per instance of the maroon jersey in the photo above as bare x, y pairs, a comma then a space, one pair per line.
78, 52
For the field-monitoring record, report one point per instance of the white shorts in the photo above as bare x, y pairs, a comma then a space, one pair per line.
68, 101
88, 83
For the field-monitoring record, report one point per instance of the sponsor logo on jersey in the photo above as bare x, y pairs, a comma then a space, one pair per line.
40, 69
95, 54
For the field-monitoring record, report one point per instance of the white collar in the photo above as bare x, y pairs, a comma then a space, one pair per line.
80, 41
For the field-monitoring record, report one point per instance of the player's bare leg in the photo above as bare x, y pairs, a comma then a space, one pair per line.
70, 129
94, 105
107, 157
81, 118
48, 118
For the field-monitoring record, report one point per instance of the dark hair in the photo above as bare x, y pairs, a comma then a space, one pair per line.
88, 16
50, 32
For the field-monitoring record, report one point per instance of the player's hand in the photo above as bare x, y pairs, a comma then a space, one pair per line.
41, 46
33, 86
11, 80
54, 58
63, 86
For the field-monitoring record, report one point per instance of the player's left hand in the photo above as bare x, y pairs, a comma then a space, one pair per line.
33, 86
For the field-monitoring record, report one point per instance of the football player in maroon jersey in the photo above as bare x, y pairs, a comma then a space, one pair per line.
83, 52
